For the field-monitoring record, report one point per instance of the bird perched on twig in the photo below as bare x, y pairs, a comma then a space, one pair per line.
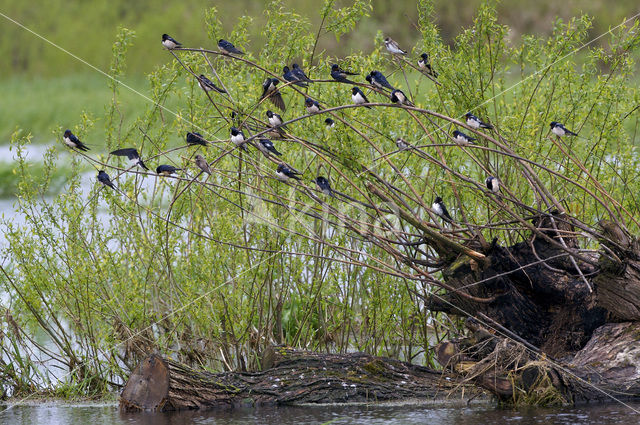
425, 65
475, 122
103, 178
73, 142
397, 96
270, 90
290, 76
237, 137
313, 107
324, 185
393, 47
266, 147
493, 184
196, 139
202, 164
299, 73
228, 47
169, 42
275, 120
560, 130
440, 209
402, 145
284, 173
340, 75
132, 155
208, 85
358, 97
166, 170
329, 123
378, 80
460, 137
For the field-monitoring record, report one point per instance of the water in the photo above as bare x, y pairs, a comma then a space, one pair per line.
97, 414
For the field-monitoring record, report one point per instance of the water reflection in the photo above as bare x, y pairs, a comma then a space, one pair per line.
58, 414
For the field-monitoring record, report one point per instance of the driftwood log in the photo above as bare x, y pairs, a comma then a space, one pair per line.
289, 377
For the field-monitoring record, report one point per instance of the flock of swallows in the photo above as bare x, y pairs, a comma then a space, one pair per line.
298, 77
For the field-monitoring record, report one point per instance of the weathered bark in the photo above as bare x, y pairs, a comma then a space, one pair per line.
607, 366
532, 288
289, 377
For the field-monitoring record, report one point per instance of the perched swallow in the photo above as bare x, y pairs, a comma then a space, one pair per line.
558, 129
329, 123
169, 42
166, 170
358, 97
299, 73
207, 85
203, 164
377, 79
228, 48
397, 96
266, 146
493, 184
313, 107
284, 173
274, 119
475, 122
270, 90
73, 142
393, 47
460, 137
132, 155
439, 208
196, 139
288, 75
324, 185
340, 74
237, 137
425, 66
402, 145
103, 178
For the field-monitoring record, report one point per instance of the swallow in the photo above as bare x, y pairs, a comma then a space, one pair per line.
439, 208
169, 42
73, 142
274, 119
313, 107
284, 173
460, 137
402, 145
329, 123
132, 155
377, 79
196, 139
228, 48
397, 96
493, 184
237, 137
207, 85
475, 122
103, 178
203, 164
358, 97
266, 146
166, 170
425, 65
324, 185
270, 90
340, 75
558, 129
288, 75
299, 73
393, 47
